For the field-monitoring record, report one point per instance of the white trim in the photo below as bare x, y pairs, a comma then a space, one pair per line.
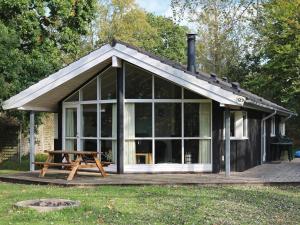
167, 167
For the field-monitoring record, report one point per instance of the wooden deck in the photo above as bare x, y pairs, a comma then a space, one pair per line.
274, 173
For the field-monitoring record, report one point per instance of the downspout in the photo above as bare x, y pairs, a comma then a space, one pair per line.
263, 137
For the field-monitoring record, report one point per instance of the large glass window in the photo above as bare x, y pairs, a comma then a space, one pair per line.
89, 91
166, 90
167, 119
138, 83
108, 82
89, 120
157, 130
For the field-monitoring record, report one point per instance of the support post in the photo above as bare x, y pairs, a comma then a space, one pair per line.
120, 119
32, 150
227, 142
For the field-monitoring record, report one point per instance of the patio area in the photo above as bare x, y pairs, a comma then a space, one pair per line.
270, 173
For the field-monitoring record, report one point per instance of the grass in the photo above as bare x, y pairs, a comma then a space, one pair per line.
156, 205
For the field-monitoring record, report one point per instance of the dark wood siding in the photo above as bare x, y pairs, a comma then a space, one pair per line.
244, 153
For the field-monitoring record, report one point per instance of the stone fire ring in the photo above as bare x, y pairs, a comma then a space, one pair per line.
47, 205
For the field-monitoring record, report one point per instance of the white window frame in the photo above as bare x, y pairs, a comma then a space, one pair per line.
273, 127
238, 125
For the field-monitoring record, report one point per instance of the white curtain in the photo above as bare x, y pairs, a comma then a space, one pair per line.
129, 127
70, 129
70, 123
205, 131
114, 133
204, 152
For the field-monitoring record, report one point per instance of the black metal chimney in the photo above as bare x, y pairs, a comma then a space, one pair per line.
191, 53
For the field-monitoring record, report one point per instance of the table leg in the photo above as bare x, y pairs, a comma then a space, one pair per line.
100, 167
74, 168
45, 167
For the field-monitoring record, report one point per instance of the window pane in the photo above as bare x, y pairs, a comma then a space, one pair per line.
109, 84
89, 120
232, 124
197, 151
191, 151
71, 122
192, 95
109, 151
89, 92
166, 90
73, 98
138, 152
108, 120
71, 144
89, 145
138, 83
168, 151
191, 119
143, 152
167, 119
143, 120
204, 152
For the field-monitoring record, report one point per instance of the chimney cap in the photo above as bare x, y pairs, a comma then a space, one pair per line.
191, 35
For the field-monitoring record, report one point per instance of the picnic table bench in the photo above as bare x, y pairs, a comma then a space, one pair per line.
82, 159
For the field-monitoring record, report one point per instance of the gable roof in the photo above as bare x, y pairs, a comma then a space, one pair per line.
44, 95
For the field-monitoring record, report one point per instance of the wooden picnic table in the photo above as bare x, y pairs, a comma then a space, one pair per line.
82, 159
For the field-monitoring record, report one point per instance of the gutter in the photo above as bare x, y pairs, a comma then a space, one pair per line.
263, 137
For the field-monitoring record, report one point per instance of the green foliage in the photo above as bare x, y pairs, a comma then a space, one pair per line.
37, 38
170, 39
125, 21
23, 165
274, 67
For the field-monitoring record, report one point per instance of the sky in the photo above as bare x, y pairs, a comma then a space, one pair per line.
163, 8
158, 7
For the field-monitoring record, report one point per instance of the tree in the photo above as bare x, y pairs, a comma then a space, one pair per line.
170, 39
125, 21
222, 31
277, 73
39, 37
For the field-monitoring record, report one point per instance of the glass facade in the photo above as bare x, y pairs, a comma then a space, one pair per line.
163, 122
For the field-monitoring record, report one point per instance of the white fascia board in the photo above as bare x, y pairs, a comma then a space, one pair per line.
60, 77
178, 76
38, 109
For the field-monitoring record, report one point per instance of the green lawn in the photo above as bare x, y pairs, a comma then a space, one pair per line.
156, 205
